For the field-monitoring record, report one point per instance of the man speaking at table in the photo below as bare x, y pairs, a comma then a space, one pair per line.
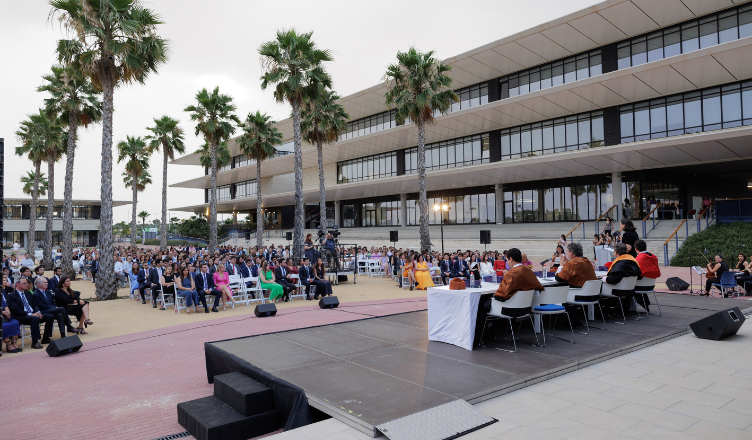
575, 272
515, 279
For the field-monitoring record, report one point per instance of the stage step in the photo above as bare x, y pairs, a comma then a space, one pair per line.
209, 418
243, 394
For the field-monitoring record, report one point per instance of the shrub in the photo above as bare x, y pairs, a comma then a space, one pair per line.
728, 240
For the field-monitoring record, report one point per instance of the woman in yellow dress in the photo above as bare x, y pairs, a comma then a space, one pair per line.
422, 274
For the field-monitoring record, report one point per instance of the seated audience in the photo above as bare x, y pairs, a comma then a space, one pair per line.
187, 289
266, 278
11, 328
27, 261
222, 283
44, 299
650, 269
623, 266
205, 286
422, 275
575, 272
71, 300
22, 309
408, 271
282, 277
306, 276
717, 269
323, 287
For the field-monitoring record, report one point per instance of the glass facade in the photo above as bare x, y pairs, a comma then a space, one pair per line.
709, 109
553, 74
707, 31
12, 212
245, 189
469, 208
569, 203
574, 132
224, 192
471, 96
460, 152
369, 124
380, 214
367, 168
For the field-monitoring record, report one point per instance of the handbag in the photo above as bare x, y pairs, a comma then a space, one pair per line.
457, 284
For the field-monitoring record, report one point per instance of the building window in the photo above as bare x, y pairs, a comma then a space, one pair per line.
570, 203
224, 193
57, 211
81, 212
369, 124
241, 160
552, 74
380, 213
471, 96
248, 188
367, 168
693, 35
460, 152
463, 209
709, 109
12, 212
574, 132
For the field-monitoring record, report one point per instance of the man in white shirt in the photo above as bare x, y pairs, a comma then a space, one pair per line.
16, 246
120, 273
27, 261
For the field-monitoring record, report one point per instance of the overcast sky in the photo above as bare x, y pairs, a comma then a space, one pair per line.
214, 43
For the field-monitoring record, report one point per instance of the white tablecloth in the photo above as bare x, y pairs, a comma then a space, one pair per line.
452, 314
604, 255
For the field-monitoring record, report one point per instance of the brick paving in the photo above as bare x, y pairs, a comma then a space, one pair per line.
128, 387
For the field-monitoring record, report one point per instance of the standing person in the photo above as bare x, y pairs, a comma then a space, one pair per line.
74, 305
627, 208
266, 278
308, 249
222, 283
323, 287
629, 236
187, 290
717, 269
608, 227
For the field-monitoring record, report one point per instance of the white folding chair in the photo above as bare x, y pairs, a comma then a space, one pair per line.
435, 272
521, 299
179, 300
256, 289
250, 290
167, 300
644, 287
626, 283
237, 288
588, 295
551, 302
298, 286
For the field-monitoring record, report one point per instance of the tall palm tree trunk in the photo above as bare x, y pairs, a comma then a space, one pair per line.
213, 200
425, 239
33, 215
143, 232
106, 287
259, 212
163, 226
297, 235
67, 239
47, 255
322, 193
133, 216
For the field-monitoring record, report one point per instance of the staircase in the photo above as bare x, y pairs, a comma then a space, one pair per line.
240, 408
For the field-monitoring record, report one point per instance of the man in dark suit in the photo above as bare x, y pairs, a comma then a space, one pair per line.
94, 268
142, 280
461, 266
23, 310
306, 277
155, 273
282, 276
44, 300
446, 268
256, 268
232, 266
205, 286
54, 282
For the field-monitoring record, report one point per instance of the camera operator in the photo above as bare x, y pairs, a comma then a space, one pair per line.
330, 248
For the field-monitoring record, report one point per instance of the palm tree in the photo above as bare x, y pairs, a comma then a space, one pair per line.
259, 138
223, 155
418, 86
73, 100
133, 150
114, 43
293, 62
143, 215
28, 183
322, 121
169, 137
214, 114
54, 150
143, 180
31, 146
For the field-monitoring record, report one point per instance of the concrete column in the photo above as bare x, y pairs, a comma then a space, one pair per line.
618, 197
499, 193
234, 217
403, 210
337, 209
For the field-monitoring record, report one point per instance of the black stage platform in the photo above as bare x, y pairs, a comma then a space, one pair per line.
372, 371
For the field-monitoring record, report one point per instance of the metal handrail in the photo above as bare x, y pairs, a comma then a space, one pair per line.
675, 231
645, 232
575, 228
597, 225
604, 214
675, 236
652, 210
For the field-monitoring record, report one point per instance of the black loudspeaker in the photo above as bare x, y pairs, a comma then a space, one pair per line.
676, 284
719, 325
265, 310
62, 346
485, 237
394, 236
247, 235
328, 302
288, 235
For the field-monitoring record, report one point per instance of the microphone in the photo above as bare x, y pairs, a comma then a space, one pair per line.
543, 263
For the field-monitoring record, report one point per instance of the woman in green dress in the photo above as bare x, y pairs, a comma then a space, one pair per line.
266, 277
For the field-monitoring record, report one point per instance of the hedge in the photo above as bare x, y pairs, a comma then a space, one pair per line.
728, 240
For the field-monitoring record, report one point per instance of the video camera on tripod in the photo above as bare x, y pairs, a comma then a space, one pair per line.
334, 231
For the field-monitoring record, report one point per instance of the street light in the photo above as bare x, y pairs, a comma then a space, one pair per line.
443, 208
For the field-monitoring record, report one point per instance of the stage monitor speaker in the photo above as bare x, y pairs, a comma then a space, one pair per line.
485, 237
676, 284
265, 310
719, 325
328, 302
62, 346
394, 236
288, 235
247, 235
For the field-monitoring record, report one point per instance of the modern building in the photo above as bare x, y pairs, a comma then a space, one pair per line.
634, 99
17, 212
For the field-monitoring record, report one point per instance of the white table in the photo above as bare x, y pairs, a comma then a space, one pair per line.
452, 314
604, 255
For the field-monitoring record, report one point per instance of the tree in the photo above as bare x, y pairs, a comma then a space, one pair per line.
134, 152
169, 137
54, 150
223, 155
143, 215
214, 114
114, 43
73, 100
31, 146
28, 183
258, 141
418, 87
322, 121
293, 62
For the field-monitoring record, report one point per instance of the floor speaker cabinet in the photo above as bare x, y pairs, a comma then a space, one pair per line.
719, 325
288, 236
328, 302
394, 236
485, 237
676, 284
263, 310
59, 347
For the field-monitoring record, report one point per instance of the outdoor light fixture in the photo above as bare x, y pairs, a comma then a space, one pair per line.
445, 208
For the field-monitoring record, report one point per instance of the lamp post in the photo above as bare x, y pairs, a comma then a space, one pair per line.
443, 208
